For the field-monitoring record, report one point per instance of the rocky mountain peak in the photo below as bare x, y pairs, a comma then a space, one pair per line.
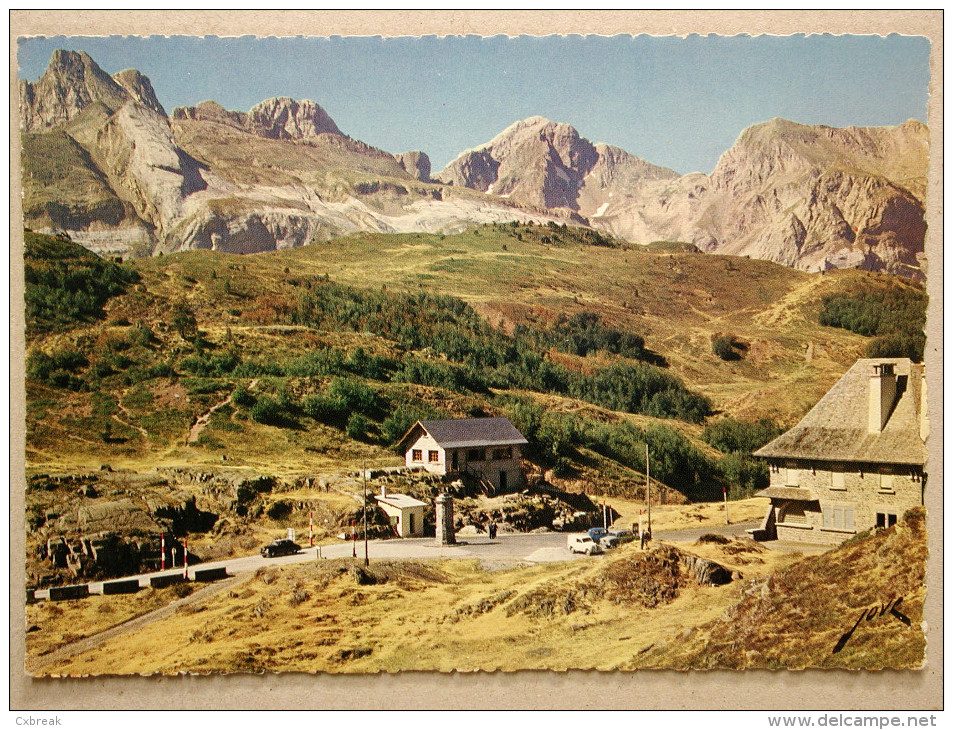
416, 163
139, 88
70, 83
286, 118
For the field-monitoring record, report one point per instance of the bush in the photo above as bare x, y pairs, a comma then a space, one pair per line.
732, 436
896, 315
322, 408
354, 395
279, 510
243, 397
271, 412
60, 369
358, 426
744, 475
724, 347
65, 284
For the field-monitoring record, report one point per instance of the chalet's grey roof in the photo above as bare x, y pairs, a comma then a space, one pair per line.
401, 501
471, 432
835, 429
798, 493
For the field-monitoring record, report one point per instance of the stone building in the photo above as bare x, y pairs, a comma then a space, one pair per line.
487, 449
855, 461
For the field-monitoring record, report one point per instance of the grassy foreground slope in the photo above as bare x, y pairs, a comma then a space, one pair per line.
857, 607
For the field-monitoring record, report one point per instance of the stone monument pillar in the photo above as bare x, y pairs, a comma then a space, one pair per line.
444, 508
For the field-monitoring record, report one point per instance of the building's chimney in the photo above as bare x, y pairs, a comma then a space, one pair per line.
883, 390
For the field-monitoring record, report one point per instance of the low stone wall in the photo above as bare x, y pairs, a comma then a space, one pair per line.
68, 593
120, 586
210, 574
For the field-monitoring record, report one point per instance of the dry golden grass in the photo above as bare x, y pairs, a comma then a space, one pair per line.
51, 624
443, 615
682, 517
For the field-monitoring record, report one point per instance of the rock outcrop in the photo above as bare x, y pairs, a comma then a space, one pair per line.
548, 165
284, 118
416, 164
139, 88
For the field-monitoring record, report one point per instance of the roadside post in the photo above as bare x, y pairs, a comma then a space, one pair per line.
648, 490
162, 563
724, 491
311, 528
364, 511
185, 560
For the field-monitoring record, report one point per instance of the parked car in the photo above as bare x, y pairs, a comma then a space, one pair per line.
583, 544
609, 540
282, 546
597, 533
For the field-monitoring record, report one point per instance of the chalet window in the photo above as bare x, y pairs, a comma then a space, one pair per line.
475, 455
886, 482
417, 455
886, 519
837, 479
501, 454
838, 517
792, 478
433, 457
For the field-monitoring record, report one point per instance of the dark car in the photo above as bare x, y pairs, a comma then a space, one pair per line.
280, 547
597, 533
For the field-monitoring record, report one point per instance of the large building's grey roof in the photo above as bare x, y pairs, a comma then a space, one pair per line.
835, 429
471, 432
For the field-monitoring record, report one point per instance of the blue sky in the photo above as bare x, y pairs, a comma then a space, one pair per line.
677, 102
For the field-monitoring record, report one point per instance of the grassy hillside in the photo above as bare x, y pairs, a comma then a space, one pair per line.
533, 317
626, 610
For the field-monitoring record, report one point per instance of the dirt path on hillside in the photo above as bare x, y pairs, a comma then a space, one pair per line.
128, 424
35, 666
202, 421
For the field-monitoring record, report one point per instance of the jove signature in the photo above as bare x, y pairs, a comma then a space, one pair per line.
870, 614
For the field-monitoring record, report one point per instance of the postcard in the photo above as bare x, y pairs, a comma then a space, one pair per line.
464, 350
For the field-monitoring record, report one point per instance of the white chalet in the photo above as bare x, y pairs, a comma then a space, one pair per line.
487, 449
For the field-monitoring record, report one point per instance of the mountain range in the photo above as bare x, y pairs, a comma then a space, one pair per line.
104, 162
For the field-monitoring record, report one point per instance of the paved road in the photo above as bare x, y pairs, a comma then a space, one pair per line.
544, 547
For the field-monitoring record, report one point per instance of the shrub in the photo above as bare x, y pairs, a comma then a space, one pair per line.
896, 314
243, 397
743, 474
732, 436
724, 347
65, 283
322, 408
271, 412
59, 369
183, 321
358, 426
354, 395
279, 510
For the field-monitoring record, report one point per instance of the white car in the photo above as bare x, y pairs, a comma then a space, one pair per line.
583, 544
